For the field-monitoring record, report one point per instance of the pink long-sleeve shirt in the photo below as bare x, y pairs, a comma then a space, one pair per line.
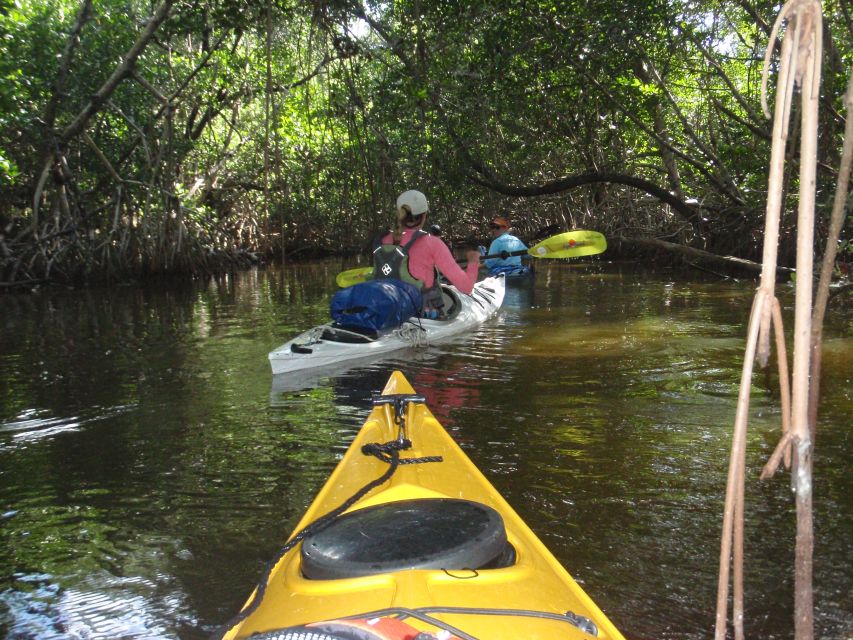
430, 251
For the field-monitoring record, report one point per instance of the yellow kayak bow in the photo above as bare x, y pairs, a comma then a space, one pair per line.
424, 543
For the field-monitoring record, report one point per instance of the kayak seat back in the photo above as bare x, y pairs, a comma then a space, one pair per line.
426, 533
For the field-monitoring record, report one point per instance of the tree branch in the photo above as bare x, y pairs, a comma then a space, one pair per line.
122, 71
65, 63
705, 256
563, 184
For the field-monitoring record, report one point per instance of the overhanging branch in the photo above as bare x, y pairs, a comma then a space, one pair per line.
685, 210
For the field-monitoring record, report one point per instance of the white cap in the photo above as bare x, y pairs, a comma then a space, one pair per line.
411, 201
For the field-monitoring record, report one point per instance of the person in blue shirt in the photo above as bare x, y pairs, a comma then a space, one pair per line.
504, 243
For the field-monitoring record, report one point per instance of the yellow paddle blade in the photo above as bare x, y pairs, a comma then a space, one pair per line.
354, 276
572, 244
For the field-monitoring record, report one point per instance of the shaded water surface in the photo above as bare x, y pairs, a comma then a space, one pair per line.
150, 464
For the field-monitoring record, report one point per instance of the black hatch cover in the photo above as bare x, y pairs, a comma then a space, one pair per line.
432, 533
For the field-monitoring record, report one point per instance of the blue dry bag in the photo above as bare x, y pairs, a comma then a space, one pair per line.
376, 304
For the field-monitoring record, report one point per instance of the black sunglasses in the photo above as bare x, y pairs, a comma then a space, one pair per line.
492, 225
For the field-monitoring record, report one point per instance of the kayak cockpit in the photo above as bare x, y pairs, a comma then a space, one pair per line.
451, 304
352, 335
390, 624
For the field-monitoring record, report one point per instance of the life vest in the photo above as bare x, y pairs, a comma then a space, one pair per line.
392, 260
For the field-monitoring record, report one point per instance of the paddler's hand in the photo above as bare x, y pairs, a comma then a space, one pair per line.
472, 255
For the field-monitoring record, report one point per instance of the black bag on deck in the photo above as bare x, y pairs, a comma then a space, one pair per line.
376, 304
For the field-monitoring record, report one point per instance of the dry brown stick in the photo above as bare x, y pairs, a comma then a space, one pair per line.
784, 376
809, 22
737, 552
775, 180
736, 466
800, 65
835, 226
783, 449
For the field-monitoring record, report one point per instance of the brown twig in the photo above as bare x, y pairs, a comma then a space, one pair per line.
799, 66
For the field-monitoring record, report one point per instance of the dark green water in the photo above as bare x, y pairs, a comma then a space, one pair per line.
150, 464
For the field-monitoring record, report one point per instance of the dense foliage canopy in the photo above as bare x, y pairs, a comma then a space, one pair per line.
141, 138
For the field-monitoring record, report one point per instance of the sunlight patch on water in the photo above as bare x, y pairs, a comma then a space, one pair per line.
651, 335
113, 607
29, 426
33, 425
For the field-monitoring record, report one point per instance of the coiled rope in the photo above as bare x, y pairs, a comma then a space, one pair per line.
315, 334
414, 334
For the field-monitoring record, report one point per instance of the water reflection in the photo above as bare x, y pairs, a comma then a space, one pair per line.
520, 294
151, 464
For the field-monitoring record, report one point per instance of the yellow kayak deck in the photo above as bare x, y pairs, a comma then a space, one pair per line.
535, 582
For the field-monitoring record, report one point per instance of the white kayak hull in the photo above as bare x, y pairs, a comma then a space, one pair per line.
325, 345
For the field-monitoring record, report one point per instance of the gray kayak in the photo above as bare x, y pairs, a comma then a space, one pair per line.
328, 343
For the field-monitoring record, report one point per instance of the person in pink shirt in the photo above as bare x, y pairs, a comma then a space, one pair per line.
411, 254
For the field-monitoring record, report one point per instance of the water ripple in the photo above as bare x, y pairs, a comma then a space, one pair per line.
38, 608
32, 425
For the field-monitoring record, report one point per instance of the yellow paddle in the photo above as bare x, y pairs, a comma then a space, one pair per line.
572, 244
